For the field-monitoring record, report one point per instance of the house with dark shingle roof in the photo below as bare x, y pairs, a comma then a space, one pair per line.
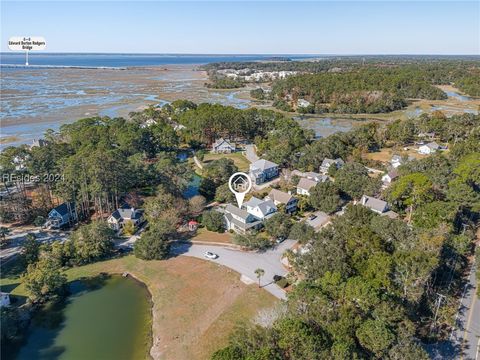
389, 177
63, 215
120, 216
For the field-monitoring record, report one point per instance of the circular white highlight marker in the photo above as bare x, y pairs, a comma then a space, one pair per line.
240, 184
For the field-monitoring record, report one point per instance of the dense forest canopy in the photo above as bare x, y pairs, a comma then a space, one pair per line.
325, 63
359, 84
374, 89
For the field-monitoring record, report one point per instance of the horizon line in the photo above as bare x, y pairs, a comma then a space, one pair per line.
233, 54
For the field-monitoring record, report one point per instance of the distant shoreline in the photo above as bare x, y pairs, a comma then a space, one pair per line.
61, 67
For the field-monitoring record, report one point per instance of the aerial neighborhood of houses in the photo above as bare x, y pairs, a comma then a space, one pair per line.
264, 174
268, 197
253, 75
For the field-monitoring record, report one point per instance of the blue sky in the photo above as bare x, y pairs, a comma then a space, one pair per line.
268, 27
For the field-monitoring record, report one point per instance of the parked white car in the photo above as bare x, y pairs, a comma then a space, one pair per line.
210, 255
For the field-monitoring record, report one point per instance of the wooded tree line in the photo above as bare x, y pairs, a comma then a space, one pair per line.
463, 131
345, 63
98, 160
208, 122
409, 77
366, 90
223, 82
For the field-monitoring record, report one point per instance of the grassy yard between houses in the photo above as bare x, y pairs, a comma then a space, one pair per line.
205, 235
240, 161
196, 303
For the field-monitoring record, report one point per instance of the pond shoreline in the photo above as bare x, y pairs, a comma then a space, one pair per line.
36, 324
150, 302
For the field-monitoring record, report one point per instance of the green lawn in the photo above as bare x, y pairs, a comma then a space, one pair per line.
240, 161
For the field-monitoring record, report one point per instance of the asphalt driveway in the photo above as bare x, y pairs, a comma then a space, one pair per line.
244, 262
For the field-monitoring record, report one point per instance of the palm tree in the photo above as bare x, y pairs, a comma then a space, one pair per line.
259, 272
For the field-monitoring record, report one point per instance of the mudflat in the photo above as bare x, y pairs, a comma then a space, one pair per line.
34, 100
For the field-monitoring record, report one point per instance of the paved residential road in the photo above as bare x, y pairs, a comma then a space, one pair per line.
467, 333
250, 153
18, 237
244, 262
471, 335
464, 341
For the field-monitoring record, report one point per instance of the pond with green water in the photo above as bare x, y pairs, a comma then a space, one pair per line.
107, 317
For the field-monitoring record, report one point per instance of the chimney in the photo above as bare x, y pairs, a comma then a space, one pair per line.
364, 200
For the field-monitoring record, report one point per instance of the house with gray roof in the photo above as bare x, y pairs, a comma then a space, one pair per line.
239, 220
389, 177
398, 160
429, 148
261, 209
304, 186
119, 217
316, 176
379, 206
374, 204
38, 143
263, 170
280, 197
318, 220
326, 163
223, 146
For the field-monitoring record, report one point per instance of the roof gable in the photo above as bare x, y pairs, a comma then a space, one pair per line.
306, 184
237, 211
263, 164
63, 209
279, 196
220, 142
374, 203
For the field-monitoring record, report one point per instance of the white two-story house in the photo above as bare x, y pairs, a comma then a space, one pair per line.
261, 209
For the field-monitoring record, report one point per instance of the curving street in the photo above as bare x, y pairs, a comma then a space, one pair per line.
244, 262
